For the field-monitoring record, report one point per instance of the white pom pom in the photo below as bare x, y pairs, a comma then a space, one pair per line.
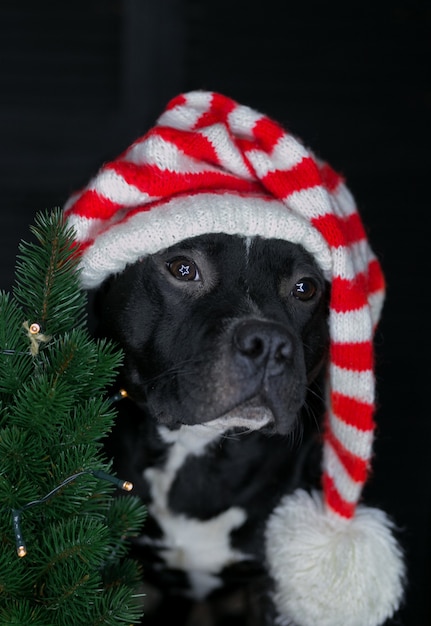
330, 571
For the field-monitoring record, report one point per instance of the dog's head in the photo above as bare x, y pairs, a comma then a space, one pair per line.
220, 327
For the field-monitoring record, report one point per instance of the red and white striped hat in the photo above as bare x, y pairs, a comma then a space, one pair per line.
212, 165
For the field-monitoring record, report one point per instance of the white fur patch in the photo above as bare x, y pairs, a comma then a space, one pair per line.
200, 548
330, 571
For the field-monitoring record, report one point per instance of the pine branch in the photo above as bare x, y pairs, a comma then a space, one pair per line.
57, 492
47, 276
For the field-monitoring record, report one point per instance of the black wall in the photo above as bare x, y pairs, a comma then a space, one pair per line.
79, 81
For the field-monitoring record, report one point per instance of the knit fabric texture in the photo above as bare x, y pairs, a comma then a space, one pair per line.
212, 165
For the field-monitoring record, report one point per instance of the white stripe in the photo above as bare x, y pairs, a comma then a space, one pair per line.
227, 153
85, 228
185, 116
358, 442
342, 200
155, 150
200, 100
167, 156
376, 301
351, 326
112, 186
288, 147
349, 489
349, 261
242, 120
345, 203
311, 203
357, 385
287, 153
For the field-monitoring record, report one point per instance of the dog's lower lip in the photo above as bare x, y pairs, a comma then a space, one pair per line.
252, 413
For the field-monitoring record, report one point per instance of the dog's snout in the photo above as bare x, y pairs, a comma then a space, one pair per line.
264, 344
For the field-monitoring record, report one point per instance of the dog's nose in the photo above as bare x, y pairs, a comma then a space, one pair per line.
264, 345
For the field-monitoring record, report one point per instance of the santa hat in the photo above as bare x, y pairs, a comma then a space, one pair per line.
211, 165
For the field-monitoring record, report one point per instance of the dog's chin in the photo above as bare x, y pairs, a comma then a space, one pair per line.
249, 416
246, 418
256, 413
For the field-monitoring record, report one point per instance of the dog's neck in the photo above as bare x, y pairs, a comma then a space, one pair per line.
200, 546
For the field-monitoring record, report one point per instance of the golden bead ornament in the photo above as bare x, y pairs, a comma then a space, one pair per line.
36, 336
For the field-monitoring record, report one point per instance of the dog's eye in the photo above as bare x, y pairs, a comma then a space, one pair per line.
304, 289
183, 268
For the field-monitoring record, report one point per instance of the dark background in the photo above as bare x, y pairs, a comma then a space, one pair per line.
80, 80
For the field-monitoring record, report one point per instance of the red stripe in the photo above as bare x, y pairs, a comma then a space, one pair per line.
356, 468
81, 247
349, 295
356, 356
93, 205
191, 144
282, 183
376, 279
221, 106
340, 231
335, 501
353, 412
160, 182
331, 179
267, 134
177, 101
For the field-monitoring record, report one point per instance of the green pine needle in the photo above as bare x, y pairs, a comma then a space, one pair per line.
21, 612
107, 607
47, 276
54, 415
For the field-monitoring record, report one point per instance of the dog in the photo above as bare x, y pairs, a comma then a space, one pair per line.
225, 342
232, 267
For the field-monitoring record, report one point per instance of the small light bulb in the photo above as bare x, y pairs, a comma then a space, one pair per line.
21, 551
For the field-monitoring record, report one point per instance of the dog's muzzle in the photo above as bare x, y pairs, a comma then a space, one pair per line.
266, 374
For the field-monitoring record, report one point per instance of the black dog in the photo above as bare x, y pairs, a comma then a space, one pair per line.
225, 340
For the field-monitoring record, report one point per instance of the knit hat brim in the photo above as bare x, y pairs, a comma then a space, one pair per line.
141, 233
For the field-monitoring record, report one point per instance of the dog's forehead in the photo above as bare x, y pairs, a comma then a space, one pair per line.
249, 249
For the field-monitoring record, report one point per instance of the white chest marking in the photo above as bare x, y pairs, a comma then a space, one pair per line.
201, 548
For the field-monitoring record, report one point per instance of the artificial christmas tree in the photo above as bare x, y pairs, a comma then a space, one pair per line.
63, 557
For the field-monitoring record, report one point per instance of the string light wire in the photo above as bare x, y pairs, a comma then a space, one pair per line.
21, 547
